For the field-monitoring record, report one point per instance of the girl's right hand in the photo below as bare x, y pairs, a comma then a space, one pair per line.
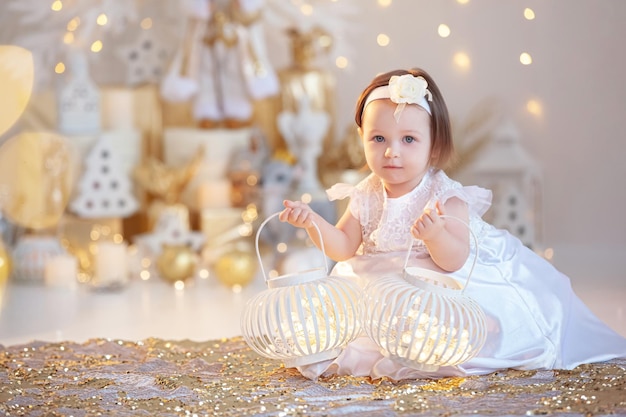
297, 214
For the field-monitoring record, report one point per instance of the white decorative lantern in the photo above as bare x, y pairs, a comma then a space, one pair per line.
303, 317
507, 169
422, 319
78, 99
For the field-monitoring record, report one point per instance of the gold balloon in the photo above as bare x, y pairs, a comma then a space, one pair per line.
236, 268
176, 262
17, 74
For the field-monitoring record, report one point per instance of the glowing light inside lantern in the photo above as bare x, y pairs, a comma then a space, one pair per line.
525, 58
102, 19
59, 68
56, 5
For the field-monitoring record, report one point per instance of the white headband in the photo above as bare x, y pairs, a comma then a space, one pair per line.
403, 90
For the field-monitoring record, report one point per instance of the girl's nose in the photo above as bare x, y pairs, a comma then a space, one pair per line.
391, 152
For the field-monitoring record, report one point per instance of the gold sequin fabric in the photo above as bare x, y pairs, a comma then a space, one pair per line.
155, 377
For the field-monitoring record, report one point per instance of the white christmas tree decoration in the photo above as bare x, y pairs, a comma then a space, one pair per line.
105, 190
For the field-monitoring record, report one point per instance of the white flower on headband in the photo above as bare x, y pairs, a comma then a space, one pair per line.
408, 89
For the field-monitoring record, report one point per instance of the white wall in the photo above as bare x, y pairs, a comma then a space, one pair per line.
578, 70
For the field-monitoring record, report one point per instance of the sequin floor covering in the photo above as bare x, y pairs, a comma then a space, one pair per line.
156, 377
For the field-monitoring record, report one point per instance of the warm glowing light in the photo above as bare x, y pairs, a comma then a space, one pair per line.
102, 19
72, 25
525, 58
462, 1
462, 60
529, 13
252, 180
306, 9
56, 5
306, 198
146, 23
245, 229
548, 253
59, 68
203, 273
144, 275
96, 46
341, 62
145, 262
236, 288
325, 41
534, 107
382, 39
281, 247
273, 273
384, 3
179, 285
68, 38
118, 238
443, 30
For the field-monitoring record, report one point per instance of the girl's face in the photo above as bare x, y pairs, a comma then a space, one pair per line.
397, 152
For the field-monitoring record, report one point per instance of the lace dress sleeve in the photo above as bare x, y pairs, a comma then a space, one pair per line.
478, 199
340, 191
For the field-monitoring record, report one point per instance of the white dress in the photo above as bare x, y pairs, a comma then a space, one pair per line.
534, 319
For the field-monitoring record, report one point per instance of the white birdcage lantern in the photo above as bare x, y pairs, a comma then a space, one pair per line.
514, 177
303, 317
422, 319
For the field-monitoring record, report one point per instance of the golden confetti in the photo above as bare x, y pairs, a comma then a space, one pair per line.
225, 378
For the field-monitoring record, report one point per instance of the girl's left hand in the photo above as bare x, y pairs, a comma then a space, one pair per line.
429, 224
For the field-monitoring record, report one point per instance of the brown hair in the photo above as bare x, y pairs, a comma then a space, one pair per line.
442, 151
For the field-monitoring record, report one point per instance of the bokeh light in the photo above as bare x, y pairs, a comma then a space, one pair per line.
525, 58
382, 39
443, 30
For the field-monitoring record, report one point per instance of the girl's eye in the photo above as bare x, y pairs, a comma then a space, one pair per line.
409, 139
378, 139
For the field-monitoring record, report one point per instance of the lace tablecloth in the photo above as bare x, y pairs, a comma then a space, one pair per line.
225, 378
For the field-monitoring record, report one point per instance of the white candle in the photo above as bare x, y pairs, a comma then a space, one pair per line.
61, 271
111, 263
214, 194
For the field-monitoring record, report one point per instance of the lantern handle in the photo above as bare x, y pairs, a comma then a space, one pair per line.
474, 238
258, 252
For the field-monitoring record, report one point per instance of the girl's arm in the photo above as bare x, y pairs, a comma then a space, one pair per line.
447, 239
340, 242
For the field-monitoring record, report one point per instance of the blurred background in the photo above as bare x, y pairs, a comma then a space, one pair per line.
143, 142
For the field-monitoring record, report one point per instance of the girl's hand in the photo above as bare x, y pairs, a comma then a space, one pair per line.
297, 214
429, 224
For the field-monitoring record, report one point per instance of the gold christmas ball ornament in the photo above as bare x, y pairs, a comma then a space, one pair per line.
237, 267
176, 263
